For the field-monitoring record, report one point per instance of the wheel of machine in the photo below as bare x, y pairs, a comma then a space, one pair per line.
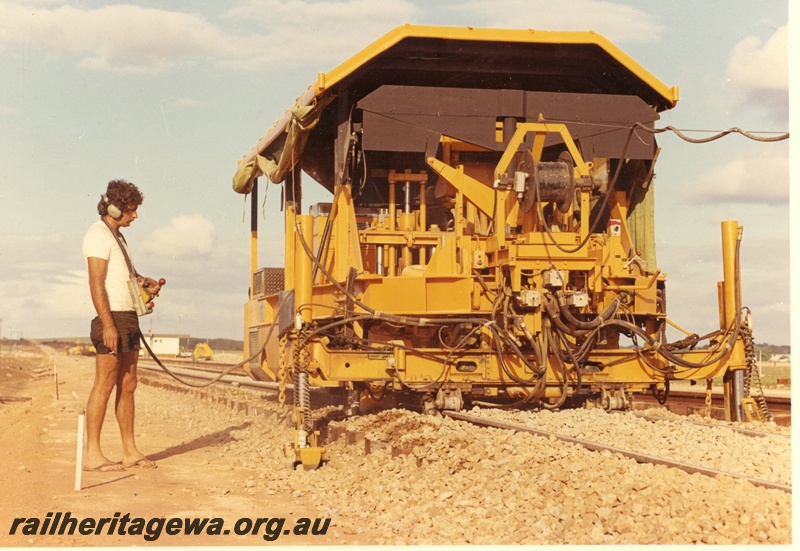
605, 400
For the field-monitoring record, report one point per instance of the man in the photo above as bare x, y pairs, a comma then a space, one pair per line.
115, 331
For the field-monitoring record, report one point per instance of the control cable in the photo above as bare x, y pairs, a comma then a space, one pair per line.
261, 349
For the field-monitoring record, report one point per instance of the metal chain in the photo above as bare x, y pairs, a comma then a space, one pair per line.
282, 370
302, 358
709, 383
751, 374
661, 396
748, 373
301, 398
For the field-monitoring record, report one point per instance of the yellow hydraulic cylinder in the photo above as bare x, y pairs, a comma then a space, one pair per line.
423, 221
289, 246
730, 293
400, 359
730, 306
253, 235
392, 250
406, 221
303, 267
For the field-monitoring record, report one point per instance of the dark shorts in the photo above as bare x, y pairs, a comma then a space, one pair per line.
127, 324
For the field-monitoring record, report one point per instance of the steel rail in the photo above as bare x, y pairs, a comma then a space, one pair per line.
685, 401
776, 400
321, 395
202, 365
746, 432
204, 374
636, 456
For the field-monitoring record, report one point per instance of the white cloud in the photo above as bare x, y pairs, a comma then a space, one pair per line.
187, 102
123, 38
760, 177
204, 294
300, 31
258, 34
44, 284
134, 39
617, 22
754, 65
40, 308
186, 237
759, 73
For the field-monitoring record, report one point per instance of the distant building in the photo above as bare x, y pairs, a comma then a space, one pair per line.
781, 358
165, 345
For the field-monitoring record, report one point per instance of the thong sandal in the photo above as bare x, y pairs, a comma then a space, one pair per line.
106, 468
144, 463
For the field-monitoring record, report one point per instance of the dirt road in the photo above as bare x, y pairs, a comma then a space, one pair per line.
202, 471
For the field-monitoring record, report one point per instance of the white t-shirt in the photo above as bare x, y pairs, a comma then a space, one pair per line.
99, 242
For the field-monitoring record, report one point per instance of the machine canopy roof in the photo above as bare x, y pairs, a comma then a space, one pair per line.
452, 57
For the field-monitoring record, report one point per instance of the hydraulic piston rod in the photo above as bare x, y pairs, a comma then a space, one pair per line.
731, 305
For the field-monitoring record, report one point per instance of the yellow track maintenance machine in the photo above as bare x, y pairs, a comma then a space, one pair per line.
203, 352
80, 349
490, 238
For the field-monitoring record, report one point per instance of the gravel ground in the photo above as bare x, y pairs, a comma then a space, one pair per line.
441, 481
716, 447
426, 480
464, 485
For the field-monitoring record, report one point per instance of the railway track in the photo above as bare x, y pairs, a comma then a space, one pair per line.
689, 400
684, 401
580, 488
201, 366
201, 375
600, 447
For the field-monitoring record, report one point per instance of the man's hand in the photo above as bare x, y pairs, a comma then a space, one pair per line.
110, 337
151, 285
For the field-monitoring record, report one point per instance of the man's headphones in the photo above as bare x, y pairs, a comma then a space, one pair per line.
112, 209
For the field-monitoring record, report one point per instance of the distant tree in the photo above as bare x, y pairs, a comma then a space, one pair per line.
782, 349
766, 350
216, 344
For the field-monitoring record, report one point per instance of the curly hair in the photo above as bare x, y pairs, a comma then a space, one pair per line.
121, 193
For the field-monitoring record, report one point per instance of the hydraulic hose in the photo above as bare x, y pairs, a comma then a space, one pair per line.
499, 333
666, 353
576, 361
603, 316
535, 395
564, 380
552, 309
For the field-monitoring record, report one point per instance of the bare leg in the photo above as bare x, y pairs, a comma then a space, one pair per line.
105, 377
125, 409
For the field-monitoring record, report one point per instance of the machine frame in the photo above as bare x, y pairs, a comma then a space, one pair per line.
490, 237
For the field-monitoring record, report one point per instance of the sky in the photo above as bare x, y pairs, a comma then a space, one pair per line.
170, 94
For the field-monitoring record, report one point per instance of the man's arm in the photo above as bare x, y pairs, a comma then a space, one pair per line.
98, 268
